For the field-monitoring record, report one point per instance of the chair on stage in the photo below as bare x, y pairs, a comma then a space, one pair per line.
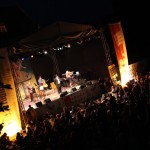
53, 86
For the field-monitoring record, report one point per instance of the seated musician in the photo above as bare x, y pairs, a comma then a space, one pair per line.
69, 77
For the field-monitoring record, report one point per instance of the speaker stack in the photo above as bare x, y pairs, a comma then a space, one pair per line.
63, 94
39, 104
46, 101
82, 86
73, 89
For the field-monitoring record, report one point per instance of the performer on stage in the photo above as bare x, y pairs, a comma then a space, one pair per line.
41, 87
57, 82
69, 77
31, 90
72, 78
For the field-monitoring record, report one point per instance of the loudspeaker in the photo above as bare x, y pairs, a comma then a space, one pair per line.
82, 86
47, 100
39, 104
73, 89
63, 94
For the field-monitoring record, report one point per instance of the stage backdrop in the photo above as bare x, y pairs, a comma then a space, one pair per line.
88, 58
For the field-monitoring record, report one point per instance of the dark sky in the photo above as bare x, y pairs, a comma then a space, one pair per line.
47, 11
133, 16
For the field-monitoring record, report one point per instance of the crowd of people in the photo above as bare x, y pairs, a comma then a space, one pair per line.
119, 119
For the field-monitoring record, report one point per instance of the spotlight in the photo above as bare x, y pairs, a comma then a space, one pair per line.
45, 52
69, 45
40, 52
80, 42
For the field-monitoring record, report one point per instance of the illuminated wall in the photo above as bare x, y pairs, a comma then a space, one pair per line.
11, 118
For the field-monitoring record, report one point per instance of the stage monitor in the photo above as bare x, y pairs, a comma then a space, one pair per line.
82, 86
39, 104
73, 89
48, 100
63, 94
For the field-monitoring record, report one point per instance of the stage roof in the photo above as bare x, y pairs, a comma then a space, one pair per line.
55, 34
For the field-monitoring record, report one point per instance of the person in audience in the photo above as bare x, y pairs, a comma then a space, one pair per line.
31, 114
93, 124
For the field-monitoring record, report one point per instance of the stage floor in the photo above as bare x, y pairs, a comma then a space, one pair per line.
50, 94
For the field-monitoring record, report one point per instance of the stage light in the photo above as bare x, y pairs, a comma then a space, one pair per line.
69, 45
32, 56
22, 58
40, 52
54, 49
45, 52
80, 42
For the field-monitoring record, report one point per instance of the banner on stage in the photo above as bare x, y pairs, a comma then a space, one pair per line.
120, 49
22, 70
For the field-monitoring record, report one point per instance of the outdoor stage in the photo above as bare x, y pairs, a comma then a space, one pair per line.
51, 94
57, 101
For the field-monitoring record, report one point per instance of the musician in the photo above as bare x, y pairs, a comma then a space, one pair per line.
31, 90
41, 87
40, 81
69, 77
57, 82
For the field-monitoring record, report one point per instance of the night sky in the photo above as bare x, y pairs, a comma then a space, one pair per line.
134, 18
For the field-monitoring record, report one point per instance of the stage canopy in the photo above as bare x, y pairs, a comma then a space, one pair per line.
85, 54
54, 35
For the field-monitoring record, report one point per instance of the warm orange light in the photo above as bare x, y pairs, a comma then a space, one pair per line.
11, 126
11, 129
124, 73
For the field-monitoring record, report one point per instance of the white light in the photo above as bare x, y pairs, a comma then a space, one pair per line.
80, 42
69, 45
45, 52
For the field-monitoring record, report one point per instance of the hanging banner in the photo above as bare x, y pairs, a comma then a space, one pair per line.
121, 52
22, 70
23, 75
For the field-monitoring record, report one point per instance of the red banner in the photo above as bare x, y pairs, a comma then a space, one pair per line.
121, 52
